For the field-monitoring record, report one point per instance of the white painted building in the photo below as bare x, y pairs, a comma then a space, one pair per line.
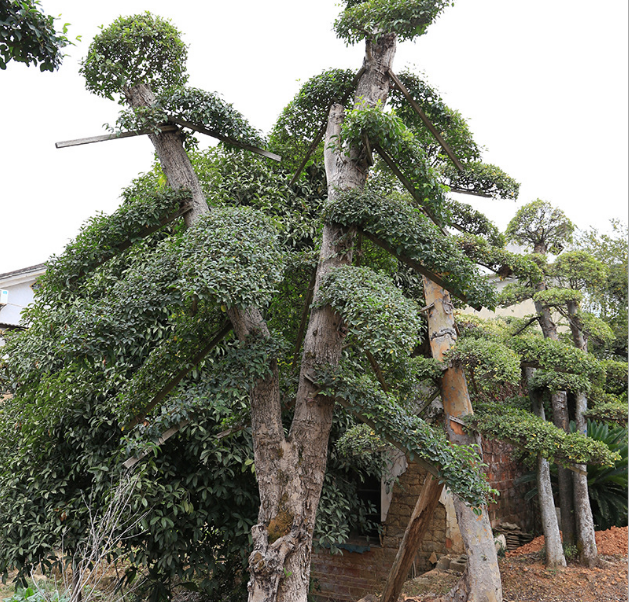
16, 292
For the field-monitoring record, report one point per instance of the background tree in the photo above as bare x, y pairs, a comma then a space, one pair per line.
544, 229
609, 301
29, 36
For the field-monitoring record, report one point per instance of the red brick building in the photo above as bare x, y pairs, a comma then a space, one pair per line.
364, 564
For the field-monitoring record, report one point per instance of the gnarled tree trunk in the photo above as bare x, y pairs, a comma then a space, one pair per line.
280, 562
481, 580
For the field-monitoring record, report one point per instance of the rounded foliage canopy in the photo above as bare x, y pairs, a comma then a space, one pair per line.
541, 226
137, 49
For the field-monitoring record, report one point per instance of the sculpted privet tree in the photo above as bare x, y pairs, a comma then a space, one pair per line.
227, 263
559, 288
289, 468
545, 229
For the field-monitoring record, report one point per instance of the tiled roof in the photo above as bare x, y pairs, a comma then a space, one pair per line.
32, 268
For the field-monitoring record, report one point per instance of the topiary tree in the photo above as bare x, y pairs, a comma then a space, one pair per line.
136, 316
560, 289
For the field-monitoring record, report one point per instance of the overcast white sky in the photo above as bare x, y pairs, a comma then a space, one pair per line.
543, 83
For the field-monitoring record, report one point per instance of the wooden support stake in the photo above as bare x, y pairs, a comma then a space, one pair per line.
377, 371
133, 460
322, 129
427, 466
415, 531
433, 130
470, 192
105, 137
418, 267
311, 150
409, 186
225, 139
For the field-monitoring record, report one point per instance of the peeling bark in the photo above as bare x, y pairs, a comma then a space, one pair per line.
481, 580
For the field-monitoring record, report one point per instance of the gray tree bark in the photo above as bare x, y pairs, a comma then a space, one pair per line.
561, 420
481, 580
586, 537
550, 526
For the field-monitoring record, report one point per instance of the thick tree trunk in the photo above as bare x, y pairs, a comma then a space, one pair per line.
550, 526
415, 531
586, 538
561, 420
280, 568
481, 580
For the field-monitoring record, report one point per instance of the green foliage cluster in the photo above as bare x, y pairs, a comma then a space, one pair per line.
410, 233
458, 465
482, 179
230, 256
29, 36
560, 381
371, 18
201, 108
465, 218
579, 270
542, 227
537, 436
615, 376
138, 49
609, 411
609, 301
390, 133
376, 312
102, 236
554, 355
452, 126
488, 362
500, 261
558, 297
302, 119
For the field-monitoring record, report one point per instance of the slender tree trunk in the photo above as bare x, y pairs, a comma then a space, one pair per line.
550, 526
172, 156
561, 420
586, 538
481, 580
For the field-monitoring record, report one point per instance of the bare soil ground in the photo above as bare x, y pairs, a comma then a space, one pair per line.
526, 579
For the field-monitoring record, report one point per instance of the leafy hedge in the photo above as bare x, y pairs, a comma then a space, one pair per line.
537, 436
381, 318
410, 233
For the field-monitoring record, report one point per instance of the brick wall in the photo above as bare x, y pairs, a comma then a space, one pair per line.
502, 471
348, 577
352, 575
